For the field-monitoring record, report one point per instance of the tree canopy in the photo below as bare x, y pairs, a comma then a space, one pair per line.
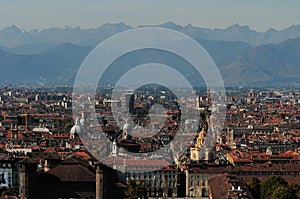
275, 187
136, 189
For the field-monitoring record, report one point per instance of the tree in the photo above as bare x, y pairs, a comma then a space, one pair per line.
254, 185
131, 187
296, 188
136, 189
141, 189
270, 185
284, 192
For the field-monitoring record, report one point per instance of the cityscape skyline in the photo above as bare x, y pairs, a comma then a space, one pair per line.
204, 103
41, 140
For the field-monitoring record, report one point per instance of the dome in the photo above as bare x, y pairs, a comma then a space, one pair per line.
76, 128
269, 151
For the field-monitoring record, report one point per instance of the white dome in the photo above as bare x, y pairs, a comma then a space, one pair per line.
269, 151
76, 128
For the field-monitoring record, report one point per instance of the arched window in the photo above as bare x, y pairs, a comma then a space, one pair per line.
204, 192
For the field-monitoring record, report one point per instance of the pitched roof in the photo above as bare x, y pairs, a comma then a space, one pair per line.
30, 160
73, 169
73, 173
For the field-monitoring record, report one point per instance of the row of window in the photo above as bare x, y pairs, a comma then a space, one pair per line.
268, 173
199, 183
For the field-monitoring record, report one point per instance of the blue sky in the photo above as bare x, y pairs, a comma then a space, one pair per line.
258, 14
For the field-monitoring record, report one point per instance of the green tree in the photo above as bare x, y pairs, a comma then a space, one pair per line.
254, 185
131, 189
141, 189
270, 185
68, 123
136, 189
284, 192
296, 188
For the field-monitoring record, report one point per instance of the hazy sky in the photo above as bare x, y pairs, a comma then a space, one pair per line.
258, 14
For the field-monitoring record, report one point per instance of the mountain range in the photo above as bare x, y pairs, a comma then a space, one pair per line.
244, 56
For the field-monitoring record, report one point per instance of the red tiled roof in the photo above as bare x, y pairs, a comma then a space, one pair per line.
61, 136
83, 154
9, 134
50, 149
290, 152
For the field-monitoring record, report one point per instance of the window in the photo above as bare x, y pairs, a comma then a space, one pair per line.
204, 192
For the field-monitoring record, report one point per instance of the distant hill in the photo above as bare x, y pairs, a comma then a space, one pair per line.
274, 64
53, 56
18, 41
56, 66
35, 41
223, 51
